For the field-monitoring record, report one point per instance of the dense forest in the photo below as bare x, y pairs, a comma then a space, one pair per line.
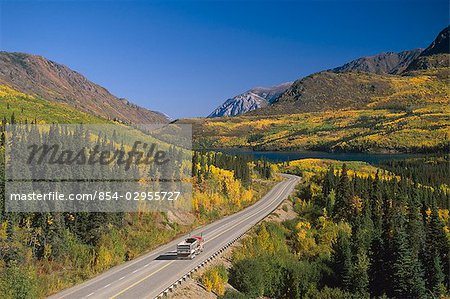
430, 171
41, 253
360, 232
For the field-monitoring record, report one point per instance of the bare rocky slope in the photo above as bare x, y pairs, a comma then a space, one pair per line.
435, 56
383, 63
250, 100
36, 75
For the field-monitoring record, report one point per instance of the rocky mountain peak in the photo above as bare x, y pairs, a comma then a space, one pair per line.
250, 100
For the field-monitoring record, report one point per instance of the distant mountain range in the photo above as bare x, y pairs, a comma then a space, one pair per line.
256, 98
38, 76
349, 87
391, 102
252, 99
339, 88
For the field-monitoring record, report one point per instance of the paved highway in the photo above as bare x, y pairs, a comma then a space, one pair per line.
150, 274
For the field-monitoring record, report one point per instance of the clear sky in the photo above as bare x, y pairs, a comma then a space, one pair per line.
184, 58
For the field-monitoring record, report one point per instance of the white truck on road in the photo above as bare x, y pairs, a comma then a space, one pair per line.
190, 247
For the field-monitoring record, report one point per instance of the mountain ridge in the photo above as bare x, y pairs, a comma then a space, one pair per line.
336, 88
381, 63
436, 55
346, 90
351, 111
55, 82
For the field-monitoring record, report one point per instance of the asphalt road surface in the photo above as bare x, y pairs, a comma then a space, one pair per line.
150, 274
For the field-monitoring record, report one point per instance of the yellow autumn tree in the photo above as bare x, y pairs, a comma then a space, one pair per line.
247, 196
264, 243
327, 233
207, 283
306, 243
214, 279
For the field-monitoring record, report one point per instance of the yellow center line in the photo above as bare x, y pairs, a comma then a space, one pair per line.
216, 236
141, 280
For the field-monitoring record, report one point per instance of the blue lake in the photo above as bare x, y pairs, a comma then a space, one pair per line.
280, 156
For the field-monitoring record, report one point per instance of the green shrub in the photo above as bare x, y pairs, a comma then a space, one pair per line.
248, 276
18, 283
330, 293
232, 294
77, 254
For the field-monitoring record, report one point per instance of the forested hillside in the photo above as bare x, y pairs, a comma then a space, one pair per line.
21, 107
41, 253
360, 232
424, 129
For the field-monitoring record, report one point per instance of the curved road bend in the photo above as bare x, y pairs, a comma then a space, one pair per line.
150, 274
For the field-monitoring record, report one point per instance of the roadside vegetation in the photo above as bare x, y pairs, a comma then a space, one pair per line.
361, 232
215, 279
42, 253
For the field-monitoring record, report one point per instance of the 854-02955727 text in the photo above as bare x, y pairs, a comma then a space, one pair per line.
97, 195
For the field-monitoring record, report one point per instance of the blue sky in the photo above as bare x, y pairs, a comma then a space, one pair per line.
184, 58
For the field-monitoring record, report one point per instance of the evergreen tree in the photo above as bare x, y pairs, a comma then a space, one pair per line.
378, 271
434, 253
342, 262
375, 199
407, 273
435, 277
343, 209
416, 230
328, 182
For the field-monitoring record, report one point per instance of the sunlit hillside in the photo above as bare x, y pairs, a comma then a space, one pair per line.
24, 107
412, 115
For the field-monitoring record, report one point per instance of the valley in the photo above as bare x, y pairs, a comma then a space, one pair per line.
356, 154
373, 131
355, 108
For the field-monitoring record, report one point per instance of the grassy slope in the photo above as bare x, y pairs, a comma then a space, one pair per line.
28, 107
414, 116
